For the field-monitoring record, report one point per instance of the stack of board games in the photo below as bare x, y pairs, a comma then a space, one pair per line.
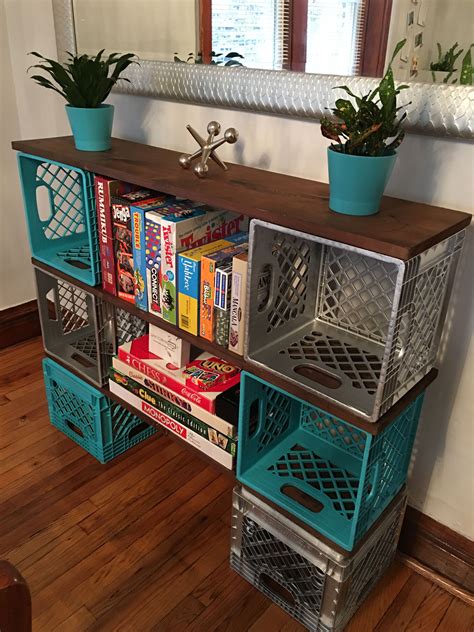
180, 233
199, 401
189, 279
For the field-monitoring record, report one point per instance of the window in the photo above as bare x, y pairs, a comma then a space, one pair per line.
344, 37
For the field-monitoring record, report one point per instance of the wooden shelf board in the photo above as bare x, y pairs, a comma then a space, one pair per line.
265, 374
402, 229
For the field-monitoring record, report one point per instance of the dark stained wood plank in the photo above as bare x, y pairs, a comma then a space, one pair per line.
443, 550
431, 612
402, 229
15, 600
281, 382
459, 617
405, 605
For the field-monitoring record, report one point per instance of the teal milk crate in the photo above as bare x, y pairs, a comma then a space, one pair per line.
85, 415
61, 217
332, 475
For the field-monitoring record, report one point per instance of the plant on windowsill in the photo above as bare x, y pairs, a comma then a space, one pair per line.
217, 59
85, 82
366, 136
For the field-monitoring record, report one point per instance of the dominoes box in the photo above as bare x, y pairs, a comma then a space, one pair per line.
168, 346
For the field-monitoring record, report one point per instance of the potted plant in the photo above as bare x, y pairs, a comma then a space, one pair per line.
367, 135
85, 82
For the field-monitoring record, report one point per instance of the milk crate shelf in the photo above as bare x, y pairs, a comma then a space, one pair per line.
81, 329
310, 580
60, 212
355, 326
85, 415
335, 477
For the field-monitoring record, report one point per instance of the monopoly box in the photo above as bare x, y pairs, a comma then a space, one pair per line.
183, 233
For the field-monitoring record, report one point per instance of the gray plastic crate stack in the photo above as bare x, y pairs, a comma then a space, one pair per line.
80, 329
357, 327
313, 582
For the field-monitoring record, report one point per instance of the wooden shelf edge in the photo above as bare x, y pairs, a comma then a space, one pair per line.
105, 391
265, 374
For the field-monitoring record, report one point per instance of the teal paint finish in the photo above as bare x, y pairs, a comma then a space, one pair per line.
357, 183
352, 475
91, 127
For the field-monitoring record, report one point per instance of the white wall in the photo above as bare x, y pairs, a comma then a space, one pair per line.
429, 169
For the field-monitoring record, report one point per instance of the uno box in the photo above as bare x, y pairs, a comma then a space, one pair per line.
169, 347
189, 278
238, 303
220, 424
179, 233
138, 213
105, 189
209, 265
123, 243
221, 400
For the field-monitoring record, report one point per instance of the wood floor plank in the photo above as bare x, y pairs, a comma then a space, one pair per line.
459, 617
405, 605
142, 544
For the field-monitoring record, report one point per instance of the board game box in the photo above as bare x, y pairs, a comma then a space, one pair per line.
216, 400
173, 411
190, 436
238, 303
183, 233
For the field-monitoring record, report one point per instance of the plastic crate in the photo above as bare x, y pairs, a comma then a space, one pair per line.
60, 212
311, 581
85, 415
357, 327
335, 477
80, 329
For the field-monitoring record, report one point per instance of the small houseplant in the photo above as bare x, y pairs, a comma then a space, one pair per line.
85, 82
366, 136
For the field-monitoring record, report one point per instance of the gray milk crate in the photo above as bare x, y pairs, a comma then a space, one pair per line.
80, 329
357, 327
316, 584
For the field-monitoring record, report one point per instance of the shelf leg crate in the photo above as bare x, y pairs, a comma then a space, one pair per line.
331, 475
310, 580
81, 329
85, 415
61, 217
357, 327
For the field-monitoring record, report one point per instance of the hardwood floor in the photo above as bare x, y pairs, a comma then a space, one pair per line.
142, 544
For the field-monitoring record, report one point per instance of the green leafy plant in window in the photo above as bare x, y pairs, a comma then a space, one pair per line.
446, 61
371, 126
217, 59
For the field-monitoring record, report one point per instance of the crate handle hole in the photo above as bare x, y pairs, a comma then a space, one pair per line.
254, 416
76, 263
137, 429
277, 589
51, 303
43, 203
75, 428
264, 284
302, 498
82, 360
319, 376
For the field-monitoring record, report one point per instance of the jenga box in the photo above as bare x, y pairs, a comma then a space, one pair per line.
105, 189
189, 283
182, 233
209, 265
123, 242
238, 303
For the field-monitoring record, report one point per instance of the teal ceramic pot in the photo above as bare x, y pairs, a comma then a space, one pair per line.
91, 127
357, 183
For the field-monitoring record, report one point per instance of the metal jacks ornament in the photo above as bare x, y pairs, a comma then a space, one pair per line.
208, 148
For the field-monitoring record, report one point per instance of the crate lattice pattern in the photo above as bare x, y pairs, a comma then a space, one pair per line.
277, 418
68, 218
293, 256
128, 326
356, 293
360, 366
78, 411
73, 306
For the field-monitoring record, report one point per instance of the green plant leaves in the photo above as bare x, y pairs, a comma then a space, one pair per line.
370, 127
84, 81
